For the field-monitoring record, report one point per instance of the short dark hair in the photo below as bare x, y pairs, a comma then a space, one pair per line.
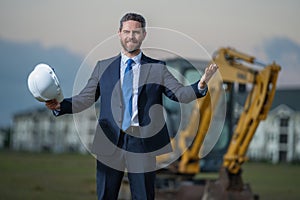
134, 17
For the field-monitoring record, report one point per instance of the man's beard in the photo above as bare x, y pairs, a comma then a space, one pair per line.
135, 49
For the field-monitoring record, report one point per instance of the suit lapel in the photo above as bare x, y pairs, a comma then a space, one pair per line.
113, 69
112, 78
144, 73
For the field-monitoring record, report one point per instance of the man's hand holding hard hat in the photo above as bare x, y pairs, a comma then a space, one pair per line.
44, 86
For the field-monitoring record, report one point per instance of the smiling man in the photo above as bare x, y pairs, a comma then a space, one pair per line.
132, 33
132, 130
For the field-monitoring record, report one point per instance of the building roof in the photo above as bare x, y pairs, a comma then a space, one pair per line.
287, 96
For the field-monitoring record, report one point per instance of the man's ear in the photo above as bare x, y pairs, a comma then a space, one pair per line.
145, 33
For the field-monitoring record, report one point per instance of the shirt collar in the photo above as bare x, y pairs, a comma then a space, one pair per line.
136, 59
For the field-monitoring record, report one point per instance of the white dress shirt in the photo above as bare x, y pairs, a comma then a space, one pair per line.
136, 74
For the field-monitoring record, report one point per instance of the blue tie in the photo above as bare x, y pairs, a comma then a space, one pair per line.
127, 95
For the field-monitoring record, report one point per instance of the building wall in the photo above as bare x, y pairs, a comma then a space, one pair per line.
278, 137
39, 130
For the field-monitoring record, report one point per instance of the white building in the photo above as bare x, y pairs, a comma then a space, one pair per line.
38, 130
278, 137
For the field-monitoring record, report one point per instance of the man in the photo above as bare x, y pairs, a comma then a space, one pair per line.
131, 129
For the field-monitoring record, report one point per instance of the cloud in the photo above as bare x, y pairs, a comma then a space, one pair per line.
17, 60
286, 53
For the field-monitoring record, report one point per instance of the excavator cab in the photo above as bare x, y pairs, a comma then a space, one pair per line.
178, 115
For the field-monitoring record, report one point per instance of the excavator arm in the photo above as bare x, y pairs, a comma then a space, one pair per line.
234, 67
257, 104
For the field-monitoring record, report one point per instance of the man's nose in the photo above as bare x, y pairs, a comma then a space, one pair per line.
131, 35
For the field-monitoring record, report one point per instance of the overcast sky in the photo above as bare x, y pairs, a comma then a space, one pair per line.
81, 25
64, 32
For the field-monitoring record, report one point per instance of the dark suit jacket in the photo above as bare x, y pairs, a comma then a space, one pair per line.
155, 80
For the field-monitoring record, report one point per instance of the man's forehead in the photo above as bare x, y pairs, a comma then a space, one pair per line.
132, 24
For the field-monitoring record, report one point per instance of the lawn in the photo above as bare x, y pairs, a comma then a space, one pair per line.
29, 176
46, 176
274, 182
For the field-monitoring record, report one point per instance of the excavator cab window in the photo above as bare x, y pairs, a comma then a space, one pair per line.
214, 159
178, 115
242, 88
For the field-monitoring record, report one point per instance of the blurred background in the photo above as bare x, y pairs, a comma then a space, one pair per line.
63, 33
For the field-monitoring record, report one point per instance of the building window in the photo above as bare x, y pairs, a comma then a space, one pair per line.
282, 156
283, 138
284, 122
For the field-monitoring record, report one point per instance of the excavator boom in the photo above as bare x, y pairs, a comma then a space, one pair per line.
233, 69
256, 106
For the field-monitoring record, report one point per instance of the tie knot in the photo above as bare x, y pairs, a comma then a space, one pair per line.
129, 62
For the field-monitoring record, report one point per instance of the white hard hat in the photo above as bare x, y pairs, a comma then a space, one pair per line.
43, 84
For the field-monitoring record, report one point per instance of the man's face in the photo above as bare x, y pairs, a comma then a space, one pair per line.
131, 36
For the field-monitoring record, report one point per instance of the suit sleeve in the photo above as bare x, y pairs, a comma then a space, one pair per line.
178, 92
86, 98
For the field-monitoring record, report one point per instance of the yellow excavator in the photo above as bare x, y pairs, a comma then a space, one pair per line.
238, 72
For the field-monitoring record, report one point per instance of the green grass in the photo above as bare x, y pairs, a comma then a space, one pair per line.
46, 176
274, 182
30, 176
